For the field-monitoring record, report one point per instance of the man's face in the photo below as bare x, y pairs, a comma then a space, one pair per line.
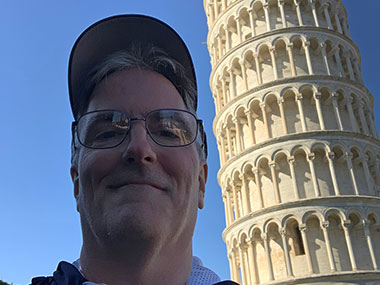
138, 189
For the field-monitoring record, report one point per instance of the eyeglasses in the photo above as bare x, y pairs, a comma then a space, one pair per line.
109, 128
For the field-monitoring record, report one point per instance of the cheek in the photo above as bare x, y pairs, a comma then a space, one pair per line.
94, 165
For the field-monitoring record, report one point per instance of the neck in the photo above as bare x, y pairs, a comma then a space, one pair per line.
136, 263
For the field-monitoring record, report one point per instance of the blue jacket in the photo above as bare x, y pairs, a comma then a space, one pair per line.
67, 274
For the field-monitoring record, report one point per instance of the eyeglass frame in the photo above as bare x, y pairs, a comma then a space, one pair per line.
199, 126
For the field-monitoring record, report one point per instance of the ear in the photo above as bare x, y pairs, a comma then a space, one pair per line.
75, 178
202, 179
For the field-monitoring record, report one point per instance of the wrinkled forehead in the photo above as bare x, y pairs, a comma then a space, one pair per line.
136, 92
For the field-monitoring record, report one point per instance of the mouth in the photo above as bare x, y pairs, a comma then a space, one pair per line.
136, 184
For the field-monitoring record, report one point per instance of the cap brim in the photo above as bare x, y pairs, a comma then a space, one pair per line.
117, 33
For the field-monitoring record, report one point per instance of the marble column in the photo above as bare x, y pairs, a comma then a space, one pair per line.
291, 162
303, 229
248, 113
346, 226
367, 234
291, 59
258, 185
338, 25
335, 104
314, 12
265, 239
264, 113
282, 114
300, 110
252, 262
325, 59
348, 156
228, 38
244, 74
317, 98
229, 208
258, 70
362, 118
282, 12
272, 51
232, 83
252, 22
276, 189
298, 9
330, 158
327, 16
266, 13
354, 124
238, 134
308, 57
330, 255
311, 157
245, 191
289, 270
237, 20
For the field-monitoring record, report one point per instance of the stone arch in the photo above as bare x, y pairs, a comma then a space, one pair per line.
338, 242
310, 107
265, 62
266, 181
233, 31
322, 166
372, 167
260, 21
284, 175
252, 72
342, 169
291, 111
258, 125
328, 109
360, 168
282, 57
298, 50
273, 114
303, 176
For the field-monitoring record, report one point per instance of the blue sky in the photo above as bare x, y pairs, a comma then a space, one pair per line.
38, 221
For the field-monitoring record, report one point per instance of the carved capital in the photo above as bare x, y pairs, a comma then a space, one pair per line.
347, 224
325, 225
348, 155
302, 227
322, 45
280, 101
283, 231
281, 2
264, 236
290, 45
317, 96
331, 155
334, 95
306, 44
262, 106
272, 164
272, 49
311, 156
291, 160
299, 97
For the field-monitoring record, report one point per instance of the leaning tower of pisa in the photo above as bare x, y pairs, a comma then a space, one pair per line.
299, 150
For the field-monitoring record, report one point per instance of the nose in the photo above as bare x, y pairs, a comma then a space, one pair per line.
139, 147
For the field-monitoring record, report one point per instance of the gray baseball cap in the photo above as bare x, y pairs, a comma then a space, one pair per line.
117, 33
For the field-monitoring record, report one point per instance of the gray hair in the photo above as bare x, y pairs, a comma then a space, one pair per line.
144, 58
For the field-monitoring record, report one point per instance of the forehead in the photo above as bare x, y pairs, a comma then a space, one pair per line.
136, 92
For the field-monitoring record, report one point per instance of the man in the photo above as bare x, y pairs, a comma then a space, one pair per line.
138, 156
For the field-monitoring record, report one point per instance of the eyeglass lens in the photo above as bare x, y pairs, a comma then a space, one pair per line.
106, 129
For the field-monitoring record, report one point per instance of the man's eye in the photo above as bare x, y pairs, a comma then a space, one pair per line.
169, 134
107, 135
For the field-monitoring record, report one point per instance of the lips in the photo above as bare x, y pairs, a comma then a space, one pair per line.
140, 183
